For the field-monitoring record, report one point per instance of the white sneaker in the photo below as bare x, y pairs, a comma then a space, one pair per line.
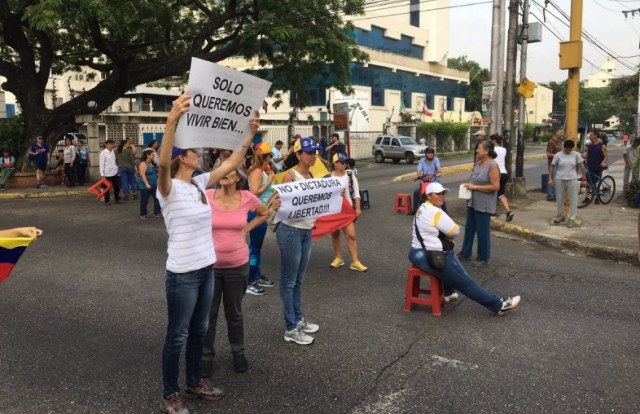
308, 327
298, 337
451, 297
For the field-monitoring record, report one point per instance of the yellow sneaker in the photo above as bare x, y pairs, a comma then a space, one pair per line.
358, 266
337, 262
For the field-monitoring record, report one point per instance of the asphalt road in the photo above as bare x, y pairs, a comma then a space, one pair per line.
83, 322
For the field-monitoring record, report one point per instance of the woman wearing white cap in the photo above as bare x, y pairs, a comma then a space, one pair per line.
352, 194
433, 230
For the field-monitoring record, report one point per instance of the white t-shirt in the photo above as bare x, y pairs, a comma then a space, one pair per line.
356, 187
431, 221
567, 165
502, 153
188, 223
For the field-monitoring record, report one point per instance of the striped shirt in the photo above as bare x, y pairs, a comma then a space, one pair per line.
188, 222
431, 221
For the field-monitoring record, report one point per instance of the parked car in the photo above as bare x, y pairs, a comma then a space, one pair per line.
397, 147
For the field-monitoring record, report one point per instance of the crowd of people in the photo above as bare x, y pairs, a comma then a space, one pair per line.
212, 200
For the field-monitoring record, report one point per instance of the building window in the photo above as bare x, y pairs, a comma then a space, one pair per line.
414, 13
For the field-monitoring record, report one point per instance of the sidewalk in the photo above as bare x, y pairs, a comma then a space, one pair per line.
51, 191
605, 231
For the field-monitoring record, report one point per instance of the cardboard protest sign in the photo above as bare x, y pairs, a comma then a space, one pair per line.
222, 102
309, 198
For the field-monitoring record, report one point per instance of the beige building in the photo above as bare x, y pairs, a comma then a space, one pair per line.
602, 78
539, 105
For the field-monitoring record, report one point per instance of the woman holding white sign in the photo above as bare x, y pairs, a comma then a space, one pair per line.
294, 241
189, 278
352, 194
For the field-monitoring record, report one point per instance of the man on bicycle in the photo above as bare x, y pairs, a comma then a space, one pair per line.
596, 155
428, 170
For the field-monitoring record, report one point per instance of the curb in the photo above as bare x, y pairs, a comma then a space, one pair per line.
593, 250
44, 194
460, 168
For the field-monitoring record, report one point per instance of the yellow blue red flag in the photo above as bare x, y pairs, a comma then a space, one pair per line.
10, 251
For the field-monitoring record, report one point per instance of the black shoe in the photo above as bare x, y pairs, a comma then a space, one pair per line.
508, 304
207, 368
240, 363
462, 258
480, 263
551, 199
509, 216
119, 202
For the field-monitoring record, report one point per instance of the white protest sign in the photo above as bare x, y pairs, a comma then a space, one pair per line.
309, 199
222, 102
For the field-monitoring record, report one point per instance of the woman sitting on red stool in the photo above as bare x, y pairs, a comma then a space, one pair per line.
432, 231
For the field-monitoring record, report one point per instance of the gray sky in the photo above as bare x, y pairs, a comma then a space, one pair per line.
602, 19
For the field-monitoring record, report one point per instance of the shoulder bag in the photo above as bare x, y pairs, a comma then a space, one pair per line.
436, 259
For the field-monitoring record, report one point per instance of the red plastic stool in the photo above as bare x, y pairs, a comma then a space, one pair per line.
435, 292
95, 189
403, 203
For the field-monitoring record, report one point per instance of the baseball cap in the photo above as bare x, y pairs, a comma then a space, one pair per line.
175, 151
264, 147
479, 132
339, 157
435, 188
305, 144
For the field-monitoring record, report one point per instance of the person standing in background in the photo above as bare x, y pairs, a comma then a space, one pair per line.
484, 186
127, 169
496, 139
69, 154
109, 170
38, 155
260, 184
277, 157
554, 146
82, 162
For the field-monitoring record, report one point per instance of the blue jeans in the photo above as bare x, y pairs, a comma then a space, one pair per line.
128, 180
551, 190
295, 250
256, 238
189, 297
144, 199
477, 223
454, 276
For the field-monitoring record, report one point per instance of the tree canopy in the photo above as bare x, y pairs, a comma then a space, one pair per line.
135, 42
596, 105
478, 75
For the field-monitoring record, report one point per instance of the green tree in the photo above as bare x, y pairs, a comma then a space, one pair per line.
139, 41
477, 74
624, 97
559, 95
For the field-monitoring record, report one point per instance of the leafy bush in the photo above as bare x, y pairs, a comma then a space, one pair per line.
443, 135
12, 135
545, 137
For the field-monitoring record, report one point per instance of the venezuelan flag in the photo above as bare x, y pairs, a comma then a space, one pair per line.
10, 251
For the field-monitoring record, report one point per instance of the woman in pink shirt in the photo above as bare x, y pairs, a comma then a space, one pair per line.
230, 206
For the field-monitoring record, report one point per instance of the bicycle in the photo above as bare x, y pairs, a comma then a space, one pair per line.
601, 188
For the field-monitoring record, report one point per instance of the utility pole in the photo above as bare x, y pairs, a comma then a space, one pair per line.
512, 52
497, 69
521, 104
571, 59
